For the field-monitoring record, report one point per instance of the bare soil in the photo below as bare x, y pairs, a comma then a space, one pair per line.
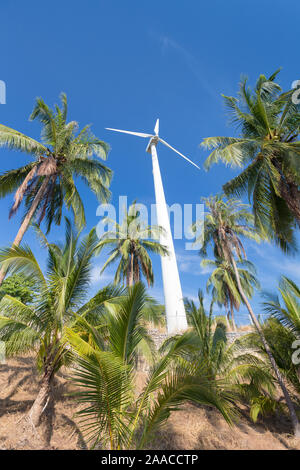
191, 428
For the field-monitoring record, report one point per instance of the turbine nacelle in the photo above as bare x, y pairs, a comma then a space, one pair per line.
154, 139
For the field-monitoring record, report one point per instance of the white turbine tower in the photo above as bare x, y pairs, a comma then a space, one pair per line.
175, 311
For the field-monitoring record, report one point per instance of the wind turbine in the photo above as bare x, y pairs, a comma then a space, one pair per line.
175, 311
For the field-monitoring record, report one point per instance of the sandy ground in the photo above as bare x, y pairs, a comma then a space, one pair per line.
190, 428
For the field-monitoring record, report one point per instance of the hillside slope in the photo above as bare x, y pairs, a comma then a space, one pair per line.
190, 428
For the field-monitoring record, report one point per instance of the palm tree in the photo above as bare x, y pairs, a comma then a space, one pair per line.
223, 286
282, 330
47, 183
267, 149
226, 219
113, 414
58, 303
242, 370
223, 226
132, 241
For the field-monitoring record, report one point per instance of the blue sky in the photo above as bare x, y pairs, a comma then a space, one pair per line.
123, 64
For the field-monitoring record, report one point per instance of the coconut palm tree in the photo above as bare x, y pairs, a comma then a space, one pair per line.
267, 148
288, 314
281, 341
223, 226
59, 302
242, 370
282, 331
113, 414
224, 219
47, 183
223, 286
132, 242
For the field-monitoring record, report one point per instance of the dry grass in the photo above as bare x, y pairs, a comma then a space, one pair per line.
191, 428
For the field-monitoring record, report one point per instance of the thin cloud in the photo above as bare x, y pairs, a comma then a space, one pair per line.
269, 260
97, 278
191, 264
192, 63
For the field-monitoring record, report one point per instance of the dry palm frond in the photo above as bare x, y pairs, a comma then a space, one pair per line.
21, 191
47, 167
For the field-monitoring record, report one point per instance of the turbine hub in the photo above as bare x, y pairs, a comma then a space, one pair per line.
152, 141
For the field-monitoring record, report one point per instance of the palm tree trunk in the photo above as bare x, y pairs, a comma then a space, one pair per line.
227, 320
131, 273
42, 398
290, 193
293, 415
127, 276
232, 317
137, 272
27, 219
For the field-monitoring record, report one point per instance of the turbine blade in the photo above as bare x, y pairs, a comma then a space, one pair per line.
139, 134
156, 128
183, 156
